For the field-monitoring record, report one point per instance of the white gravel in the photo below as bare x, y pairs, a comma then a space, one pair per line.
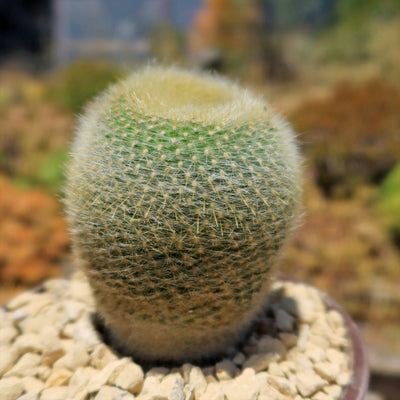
50, 350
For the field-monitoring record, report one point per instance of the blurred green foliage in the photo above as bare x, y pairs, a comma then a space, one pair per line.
389, 203
50, 172
73, 86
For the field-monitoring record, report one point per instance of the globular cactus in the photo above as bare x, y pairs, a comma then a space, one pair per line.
181, 192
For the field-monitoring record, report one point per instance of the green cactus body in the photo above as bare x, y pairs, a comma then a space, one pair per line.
181, 192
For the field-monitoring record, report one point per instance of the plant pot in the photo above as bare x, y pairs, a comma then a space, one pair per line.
77, 351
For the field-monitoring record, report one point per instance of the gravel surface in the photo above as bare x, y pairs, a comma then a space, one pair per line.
51, 351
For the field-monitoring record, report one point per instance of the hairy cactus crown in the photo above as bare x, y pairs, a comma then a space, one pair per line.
181, 192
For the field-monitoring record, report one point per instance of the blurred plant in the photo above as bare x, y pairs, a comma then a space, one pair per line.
73, 86
33, 139
351, 136
33, 235
389, 203
239, 31
342, 249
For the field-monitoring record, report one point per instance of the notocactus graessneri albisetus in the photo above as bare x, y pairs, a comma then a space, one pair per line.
181, 192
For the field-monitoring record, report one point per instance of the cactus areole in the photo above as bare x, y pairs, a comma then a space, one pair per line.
182, 190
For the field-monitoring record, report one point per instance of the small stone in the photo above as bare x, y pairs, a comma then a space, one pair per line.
7, 359
334, 391
68, 331
319, 341
288, 339
283, 385
213, 392
151, 384
7, 334
334, 319
84, 332
129, 378
269, 344
152, 396
25, 366
301, 361
102, 356
198, 381
29, 396
284, 321
80, 379
54, 393
20, 300
108, 373
268, 392
260, 362
11, 388
73, 309
321, 396
28, 343
76, 357
225, 369
304, 336
113, 393
288, 367
315, 353
243, 387
158, 372
59, 377
42, 372
52, 351
336, 357
309, 382
344, 378
32, 384
172, 385
327, 370
81, 291
239, 358
275, 369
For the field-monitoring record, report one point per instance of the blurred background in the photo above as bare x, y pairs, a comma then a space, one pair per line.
331, 66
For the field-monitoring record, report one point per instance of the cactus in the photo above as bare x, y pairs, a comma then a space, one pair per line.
181, 192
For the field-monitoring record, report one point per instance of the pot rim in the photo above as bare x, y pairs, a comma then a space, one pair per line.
358, 387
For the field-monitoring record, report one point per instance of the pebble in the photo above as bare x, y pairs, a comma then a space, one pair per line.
11, 388
7, 359
108, 373
327, 370
32, 384
334, 391
309, 382
197, 380
25, 366
7, 334
51, 351
130, 378
76, 357
54, 393
260, 362
113, 393
282, 385
59, 377
29, 396
102, 356
213, 392
284, 321
225, 369
172, 386
243, 387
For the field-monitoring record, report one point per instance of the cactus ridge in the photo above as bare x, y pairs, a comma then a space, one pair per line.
179, 222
